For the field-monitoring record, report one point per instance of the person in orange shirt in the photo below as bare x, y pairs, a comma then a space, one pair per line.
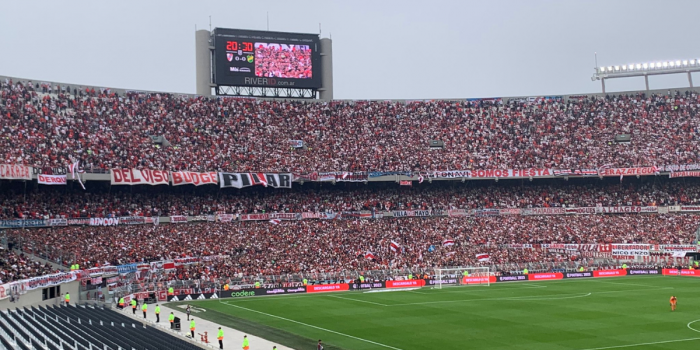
673, 303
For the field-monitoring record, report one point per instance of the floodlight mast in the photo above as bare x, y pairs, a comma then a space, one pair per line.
647, 69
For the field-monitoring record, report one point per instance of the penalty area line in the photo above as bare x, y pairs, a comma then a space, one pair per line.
639, 344
312, 326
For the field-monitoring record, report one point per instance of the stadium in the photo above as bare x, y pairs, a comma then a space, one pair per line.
261, 212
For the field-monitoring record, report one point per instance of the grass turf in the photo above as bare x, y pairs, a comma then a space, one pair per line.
601, 313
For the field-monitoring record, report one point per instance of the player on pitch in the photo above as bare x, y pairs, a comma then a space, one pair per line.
673, 303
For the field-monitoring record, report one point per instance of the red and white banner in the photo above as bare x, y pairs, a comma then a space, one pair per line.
676, 272
483, 257
545, 276
501, 173
684, 174
15, 172
491, 173
609, 273
405, 284
139, 177
690, 208
317, 288
51, 179
192, 178
178, 219
629, 171
478, 279
104, 221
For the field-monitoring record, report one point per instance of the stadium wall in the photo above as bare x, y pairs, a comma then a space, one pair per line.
34, 297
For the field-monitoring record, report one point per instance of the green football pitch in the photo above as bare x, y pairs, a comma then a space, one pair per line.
601, 313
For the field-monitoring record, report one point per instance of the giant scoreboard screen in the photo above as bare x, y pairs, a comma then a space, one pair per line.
266, 59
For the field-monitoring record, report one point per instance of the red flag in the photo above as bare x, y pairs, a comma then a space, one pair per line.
369, 255
395, 247
448, 242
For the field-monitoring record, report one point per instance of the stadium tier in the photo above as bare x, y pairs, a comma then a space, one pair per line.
104, 130
302, 197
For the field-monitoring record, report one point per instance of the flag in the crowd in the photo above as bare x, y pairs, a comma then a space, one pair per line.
369, 255
75, 168
406, 183
450, 253
395, 247
431, 248
601, 170
420, 179
345, 174
483, 257
621, 176
448, 242
275, 221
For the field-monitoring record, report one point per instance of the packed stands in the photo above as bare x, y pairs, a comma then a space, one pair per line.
17, 266
80, 328
335, 245
103, 201
105, 130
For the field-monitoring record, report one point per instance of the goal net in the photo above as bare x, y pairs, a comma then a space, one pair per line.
462, 276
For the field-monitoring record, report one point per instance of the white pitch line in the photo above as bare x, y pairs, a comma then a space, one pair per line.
691, 328
358, 300
526, 298
638, 344
312, 326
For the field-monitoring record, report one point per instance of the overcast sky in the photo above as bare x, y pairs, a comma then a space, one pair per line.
381, 49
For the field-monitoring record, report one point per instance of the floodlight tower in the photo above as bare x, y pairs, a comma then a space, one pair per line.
647, 69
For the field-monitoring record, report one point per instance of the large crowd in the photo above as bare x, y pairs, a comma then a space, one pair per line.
16, 266
54, 202
50, 125
335, 245
278, 62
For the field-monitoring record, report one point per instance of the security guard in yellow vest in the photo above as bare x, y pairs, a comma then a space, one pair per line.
220, 338
157, 313
144, 307
67, 298
133, 306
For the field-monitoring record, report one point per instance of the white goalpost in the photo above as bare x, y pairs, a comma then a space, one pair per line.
462, 276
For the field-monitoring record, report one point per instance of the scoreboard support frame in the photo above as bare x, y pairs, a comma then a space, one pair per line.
269, 92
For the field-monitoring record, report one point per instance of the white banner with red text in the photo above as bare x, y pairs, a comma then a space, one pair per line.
139, 177
15, 172
51, 179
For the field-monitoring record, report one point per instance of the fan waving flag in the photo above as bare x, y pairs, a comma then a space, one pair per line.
420, 179
395, 247
275, 221
483, 257
74, 168
448, 242
369, 255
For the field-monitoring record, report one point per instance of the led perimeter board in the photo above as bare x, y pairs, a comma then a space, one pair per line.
266, 59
